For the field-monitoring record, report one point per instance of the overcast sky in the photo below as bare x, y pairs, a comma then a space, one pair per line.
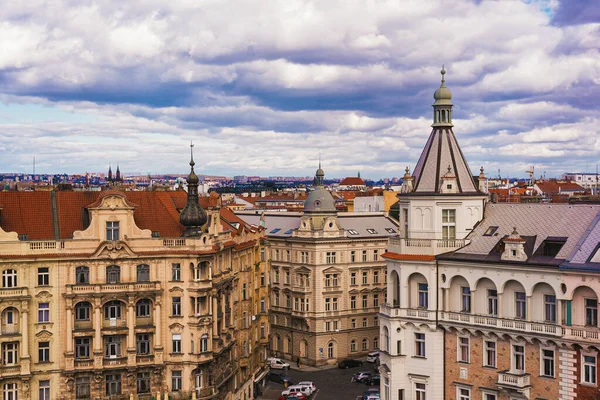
263, 87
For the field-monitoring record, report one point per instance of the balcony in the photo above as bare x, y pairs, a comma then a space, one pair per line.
487, 321
12, 329
122, 287
7, 371
83, 325
13, 293
410, 313
84, 363
144, 359
580, 333
114, 323
424, 246
201, 358
114, 362
513, 381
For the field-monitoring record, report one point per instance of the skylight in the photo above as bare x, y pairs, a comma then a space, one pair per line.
352, 232
289, 231
490, 231
275, 230
390, 230
372, 231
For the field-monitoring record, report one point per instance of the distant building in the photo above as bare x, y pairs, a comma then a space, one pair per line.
586, 180
352, 183
550, 188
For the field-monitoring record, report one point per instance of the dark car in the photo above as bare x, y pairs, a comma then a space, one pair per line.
362, 376
370, 392
349, 363
373, 380
280, 378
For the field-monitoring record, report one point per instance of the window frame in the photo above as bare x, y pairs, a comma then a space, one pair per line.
551, 360
420, 347
43, 276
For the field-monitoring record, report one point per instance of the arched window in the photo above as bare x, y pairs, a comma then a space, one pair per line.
112, 309
331, 350
365, 345
83, 311
443, 115
142, 308
143, 273
113, 274
352, 345
9, 278
204, 343
10, 320
386, 339
82, 275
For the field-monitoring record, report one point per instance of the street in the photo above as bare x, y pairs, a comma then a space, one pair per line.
332, 384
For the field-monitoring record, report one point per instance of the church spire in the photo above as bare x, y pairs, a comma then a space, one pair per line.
442, 108
319, 177
193, 216
110, 178
118, 177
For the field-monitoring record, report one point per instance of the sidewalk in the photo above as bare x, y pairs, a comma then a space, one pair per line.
308, 368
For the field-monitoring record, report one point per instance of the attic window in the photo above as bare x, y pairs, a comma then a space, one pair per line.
448, 186
372, 231
352, 232
275, 230
23, 236
552, 247
155, 234
390, 230
236, 225
289, 232
490, 231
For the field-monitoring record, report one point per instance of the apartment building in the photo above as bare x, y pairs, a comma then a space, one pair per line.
487, 301
327, 278
125, 295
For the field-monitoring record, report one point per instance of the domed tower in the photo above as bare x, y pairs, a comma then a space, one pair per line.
319, 200
193, 216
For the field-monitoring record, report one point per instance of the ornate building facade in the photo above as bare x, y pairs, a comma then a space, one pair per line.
486, 301
115, 294
327, 278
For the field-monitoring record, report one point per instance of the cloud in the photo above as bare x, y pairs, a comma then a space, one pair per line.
264, 89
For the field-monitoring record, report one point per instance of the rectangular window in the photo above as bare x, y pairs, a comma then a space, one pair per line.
287, 277
43, 276
364, 256
176, 380
263, 281
113, 384
112, 230
335, 304
142, 343
376, 300
327, 326
353, 302
423, 295
489, 356
519, 358
465, 299
448, 224
10, 355
419, 344
420, 391
276, 275
365, 278
327, 304
375, 255
176, 306
304, 257
591, 312
365, 322
44, 312
82, 347
176, 343
375, 277
44, 392
331, 257
353, 256
492, 296
353, 278
463, 349
490, 396
520, 305
175, 272
589, 370
365, 299
549, 308
463, 394
44, 352
82, 387
398, 347
547, 363
405, 220
143, 382
353, 323
112, 346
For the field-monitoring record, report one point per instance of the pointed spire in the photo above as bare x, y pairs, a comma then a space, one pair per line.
118, 175
442, 108
319, 180
193, 216
110, 177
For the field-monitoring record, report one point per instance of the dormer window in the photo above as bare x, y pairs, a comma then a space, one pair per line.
449, 187
490, 231
112, 230
552, 247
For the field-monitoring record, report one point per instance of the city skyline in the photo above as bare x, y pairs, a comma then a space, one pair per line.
264, 91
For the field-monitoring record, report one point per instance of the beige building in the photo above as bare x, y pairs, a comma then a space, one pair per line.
116, 294
327, 278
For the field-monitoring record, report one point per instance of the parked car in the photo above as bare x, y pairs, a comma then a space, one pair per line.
293, 397
311, 386
280, 378
349, 363
370, 392
295, 389
362, 376
277, 363
373, 380
373, 357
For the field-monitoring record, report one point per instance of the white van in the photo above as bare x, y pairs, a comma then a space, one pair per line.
373, 356
277, 363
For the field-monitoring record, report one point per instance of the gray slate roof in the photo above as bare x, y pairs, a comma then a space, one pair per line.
536, 222
359, 222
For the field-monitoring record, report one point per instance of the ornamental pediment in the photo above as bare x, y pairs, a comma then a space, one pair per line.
302, 270
332, 270
113, 250
176, 327
44, 335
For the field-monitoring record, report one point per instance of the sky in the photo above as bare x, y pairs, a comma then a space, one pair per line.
266, 87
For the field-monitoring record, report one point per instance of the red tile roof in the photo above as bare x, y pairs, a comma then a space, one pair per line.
408, 257
550, 187
352, 181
